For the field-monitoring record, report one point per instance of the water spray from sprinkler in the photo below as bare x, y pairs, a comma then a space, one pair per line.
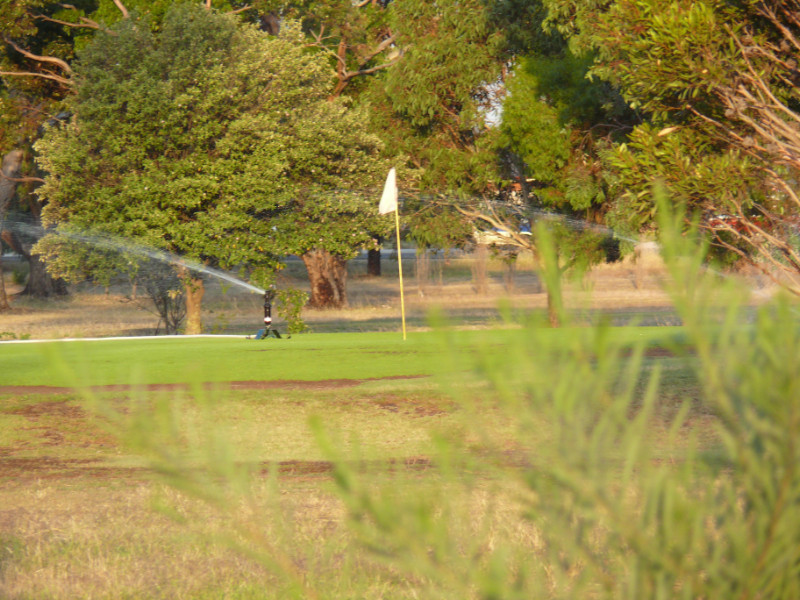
108, 242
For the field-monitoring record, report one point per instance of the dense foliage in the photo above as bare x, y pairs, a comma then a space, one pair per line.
209, 140
581, 104
716, 86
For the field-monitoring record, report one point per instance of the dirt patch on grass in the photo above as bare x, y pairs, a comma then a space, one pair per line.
58, 433
49, 468
414, 407
324, 467
279, 384
58, 409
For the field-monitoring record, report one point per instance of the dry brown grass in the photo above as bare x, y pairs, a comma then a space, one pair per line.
624, 288
78, 540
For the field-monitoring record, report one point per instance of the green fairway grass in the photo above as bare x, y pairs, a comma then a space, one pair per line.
84, 469
310, 357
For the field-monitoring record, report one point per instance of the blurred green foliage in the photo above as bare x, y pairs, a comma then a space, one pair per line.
569, 475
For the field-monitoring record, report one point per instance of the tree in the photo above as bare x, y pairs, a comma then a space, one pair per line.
433, 104
34, 78
200, 141
356, 37
717, 82
9, 170
560, 245
40, 40
557, 121
358, 41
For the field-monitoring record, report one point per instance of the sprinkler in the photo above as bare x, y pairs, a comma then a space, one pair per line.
264, 333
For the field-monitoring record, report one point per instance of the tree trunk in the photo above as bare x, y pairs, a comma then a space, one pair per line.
327, 274
8, 187
480, 269
510, 274
10, 169
193, 291
339, 276
40, 283
423, 271
4, 305
374, 262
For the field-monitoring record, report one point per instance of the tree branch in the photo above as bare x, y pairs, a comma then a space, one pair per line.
491, 217
378, 49
122, 9
85, 23
240, 10
47, 59
58, 78
22, 179
769, 13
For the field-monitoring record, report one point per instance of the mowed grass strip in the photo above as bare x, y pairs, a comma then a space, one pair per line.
189, 360
310, 357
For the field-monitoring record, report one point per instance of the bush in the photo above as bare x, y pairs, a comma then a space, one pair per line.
290, 307
19, 276
570, 476
165, 291
571, 479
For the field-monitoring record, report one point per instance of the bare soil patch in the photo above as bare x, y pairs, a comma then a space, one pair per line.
278, 384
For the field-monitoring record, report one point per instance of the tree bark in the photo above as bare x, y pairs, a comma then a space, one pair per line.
193, 291
510, 274
374, 262
327, 274
10, 169
423, 271
4, 305
8, 187
40, 283
480, 269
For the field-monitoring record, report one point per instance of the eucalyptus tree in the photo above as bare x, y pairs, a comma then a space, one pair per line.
356, 37
720, 81
717, 85
210, 140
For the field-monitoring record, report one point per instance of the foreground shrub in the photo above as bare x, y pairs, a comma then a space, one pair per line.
572, 479
573, 472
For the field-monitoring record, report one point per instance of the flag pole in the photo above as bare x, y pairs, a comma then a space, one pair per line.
389, 203
400, 269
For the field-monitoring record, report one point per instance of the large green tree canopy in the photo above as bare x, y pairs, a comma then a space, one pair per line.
716, 85
687, 66
211, 140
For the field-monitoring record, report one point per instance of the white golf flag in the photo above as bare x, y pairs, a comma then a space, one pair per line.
389, 199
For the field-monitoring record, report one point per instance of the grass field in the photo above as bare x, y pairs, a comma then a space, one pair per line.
234, 468
89, 509
306, 357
